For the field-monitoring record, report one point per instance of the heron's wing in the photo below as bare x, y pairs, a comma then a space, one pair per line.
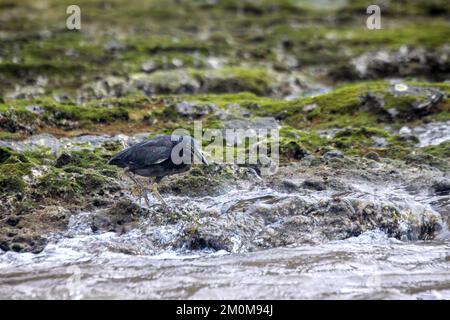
149, 153
145, 153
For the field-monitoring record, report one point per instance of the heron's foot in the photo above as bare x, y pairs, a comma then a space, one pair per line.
139, 190
155, 191
140, 193
145, 196
136, 191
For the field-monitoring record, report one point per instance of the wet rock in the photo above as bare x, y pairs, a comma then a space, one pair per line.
309, 107
393, 112
35, 142
372, 155
380, 142
114, 45
13, 221
254, 123
45, 34
193, 110
284, 61
402, 63
314, 185
295, 85
206, 180
200, 238
352, 216
223, 207
233, 111
11, 122
432, 133
329, 133
441, 187
107, 87
63, 98
63, 160
149, 67
433, 99
405, 131
333, 154
422, 160
426, 98
27, 233
165, 82
290, 185
26, 92
35, 109
372, 103
413, 102
293, 150
118, 217
28, 243
406, 134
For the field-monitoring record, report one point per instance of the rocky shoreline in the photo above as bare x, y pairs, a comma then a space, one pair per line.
363, 120
219, 207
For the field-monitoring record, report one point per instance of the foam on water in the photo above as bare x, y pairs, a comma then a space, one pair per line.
80, 263
368, 266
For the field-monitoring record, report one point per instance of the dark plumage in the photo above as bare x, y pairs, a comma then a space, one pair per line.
153, 158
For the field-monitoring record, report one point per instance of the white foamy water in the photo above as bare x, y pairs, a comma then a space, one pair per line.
141, 264
368, 266
81, 264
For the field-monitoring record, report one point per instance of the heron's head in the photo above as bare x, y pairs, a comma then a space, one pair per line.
194, 146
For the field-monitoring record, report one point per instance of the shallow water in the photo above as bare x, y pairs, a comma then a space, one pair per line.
80, 264
370, 266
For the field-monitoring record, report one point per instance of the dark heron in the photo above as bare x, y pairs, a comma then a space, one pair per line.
156, 158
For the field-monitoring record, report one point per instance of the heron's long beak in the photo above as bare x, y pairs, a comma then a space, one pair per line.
198, 154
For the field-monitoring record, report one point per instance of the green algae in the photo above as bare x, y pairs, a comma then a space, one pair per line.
14, 166
38, 177
246, 35
441, 150
345, 103
235, 79
301, 119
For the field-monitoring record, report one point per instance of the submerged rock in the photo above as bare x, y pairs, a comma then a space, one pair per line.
27, 232
119, 217
441, 187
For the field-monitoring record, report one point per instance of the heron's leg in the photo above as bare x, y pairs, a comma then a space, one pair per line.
158, 195
143, 192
